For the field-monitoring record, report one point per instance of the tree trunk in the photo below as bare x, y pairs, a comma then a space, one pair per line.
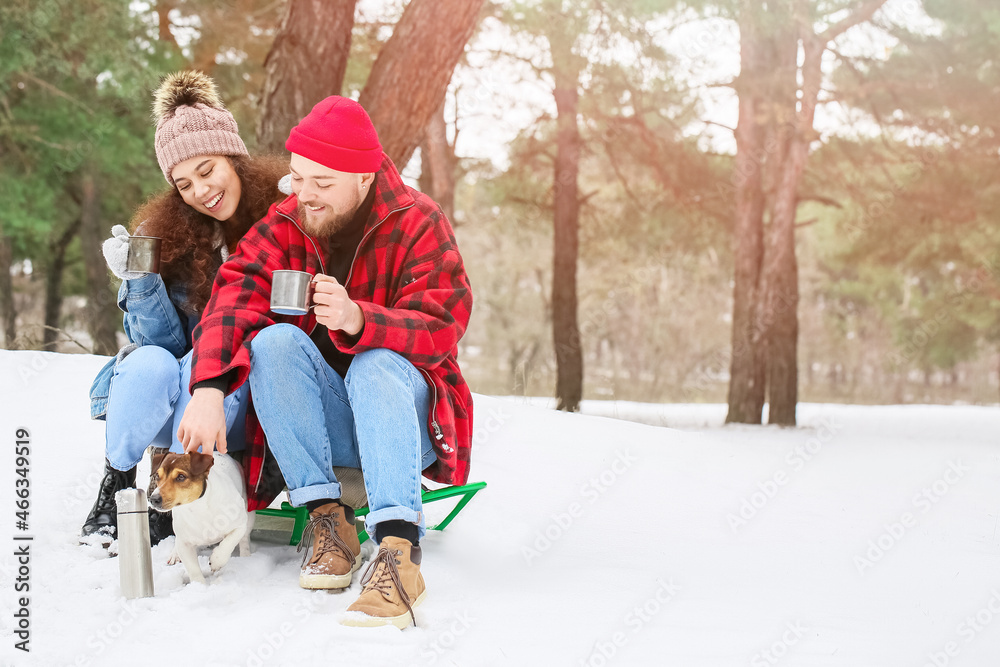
773, 308
306, 64
437, 157
8, 313
99, 314
746, 371
425, 182
53, 284
205, 51
777, 309
163, 8
565, 328
409, 80
781, 277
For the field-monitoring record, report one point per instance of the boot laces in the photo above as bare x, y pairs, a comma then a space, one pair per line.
382, 575
117, 480
114, 481
329, 540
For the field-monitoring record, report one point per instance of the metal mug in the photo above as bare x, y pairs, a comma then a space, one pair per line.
135, 562
291, 292
143, 254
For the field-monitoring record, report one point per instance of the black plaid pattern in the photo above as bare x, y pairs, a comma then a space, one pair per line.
410, 282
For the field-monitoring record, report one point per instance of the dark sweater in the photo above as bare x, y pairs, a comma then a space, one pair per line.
341, 248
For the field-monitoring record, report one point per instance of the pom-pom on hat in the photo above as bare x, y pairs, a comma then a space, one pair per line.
338, 134
191, 120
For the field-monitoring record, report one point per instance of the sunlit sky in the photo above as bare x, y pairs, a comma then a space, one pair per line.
500, 98
495, 98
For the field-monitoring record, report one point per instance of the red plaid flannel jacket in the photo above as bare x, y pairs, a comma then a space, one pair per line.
409, 280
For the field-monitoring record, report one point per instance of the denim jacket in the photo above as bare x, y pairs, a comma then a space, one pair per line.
152, 317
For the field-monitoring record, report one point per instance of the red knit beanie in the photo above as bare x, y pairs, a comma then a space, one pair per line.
338, 134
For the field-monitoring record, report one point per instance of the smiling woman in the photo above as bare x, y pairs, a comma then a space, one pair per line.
193, 232
208, 185
218, 192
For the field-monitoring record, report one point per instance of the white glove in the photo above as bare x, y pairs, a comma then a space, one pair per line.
285, 184
116, 254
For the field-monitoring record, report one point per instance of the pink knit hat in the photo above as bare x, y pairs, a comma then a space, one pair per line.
191, 120
338, 133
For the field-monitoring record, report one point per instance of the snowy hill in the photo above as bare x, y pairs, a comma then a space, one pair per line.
866, 537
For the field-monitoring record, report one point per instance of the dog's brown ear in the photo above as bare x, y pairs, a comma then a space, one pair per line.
200, 463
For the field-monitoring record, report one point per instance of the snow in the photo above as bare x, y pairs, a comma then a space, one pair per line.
866, 537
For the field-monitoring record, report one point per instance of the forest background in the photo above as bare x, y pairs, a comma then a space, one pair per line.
703, 201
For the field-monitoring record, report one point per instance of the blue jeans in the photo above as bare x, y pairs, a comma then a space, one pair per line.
375, 419
148, 395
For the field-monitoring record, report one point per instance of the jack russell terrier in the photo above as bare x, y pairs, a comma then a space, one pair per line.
208, 509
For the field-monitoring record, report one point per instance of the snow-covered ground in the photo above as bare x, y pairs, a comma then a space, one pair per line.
866, 537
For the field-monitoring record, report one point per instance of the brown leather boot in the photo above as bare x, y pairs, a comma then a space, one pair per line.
335, 551
393, 586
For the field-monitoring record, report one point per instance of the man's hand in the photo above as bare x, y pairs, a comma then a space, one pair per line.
334, 309
204, 422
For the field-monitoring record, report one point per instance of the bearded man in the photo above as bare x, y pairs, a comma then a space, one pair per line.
367, 379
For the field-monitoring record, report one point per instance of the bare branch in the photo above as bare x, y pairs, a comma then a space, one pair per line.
55, 91
725, 127
522, 59
585, 198
69, 337
820, 199
529, 202
268, 9
613, 161
71, 229
50, 144
860, 15
722, 84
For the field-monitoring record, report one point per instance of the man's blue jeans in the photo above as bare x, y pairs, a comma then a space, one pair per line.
147, 399
374, 419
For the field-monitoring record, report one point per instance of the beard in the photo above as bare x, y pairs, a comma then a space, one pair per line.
330, 222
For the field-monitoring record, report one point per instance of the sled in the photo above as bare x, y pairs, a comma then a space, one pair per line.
301, 514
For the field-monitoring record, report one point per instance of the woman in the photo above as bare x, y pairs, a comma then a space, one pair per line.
218, 193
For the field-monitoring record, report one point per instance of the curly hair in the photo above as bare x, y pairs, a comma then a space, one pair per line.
188, 257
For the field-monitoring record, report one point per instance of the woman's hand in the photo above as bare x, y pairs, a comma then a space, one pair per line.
204, 422
334, 309
116, 254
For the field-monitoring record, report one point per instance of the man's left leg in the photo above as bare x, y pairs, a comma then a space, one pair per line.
302, 405
390, 400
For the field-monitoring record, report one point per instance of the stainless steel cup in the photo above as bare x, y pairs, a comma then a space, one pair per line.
143, 254
290, 292
135, 561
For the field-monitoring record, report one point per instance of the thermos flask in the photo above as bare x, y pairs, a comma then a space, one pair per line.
135, 559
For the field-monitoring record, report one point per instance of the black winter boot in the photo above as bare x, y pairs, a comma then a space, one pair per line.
161, 524
103, 518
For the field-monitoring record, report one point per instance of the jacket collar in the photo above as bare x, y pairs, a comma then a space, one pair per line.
391, 194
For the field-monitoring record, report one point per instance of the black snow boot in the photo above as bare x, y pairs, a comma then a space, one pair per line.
103, 518
161, 524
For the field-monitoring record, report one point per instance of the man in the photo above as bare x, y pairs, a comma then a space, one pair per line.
369, 379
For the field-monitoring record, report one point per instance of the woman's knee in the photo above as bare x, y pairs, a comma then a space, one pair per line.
154, 364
